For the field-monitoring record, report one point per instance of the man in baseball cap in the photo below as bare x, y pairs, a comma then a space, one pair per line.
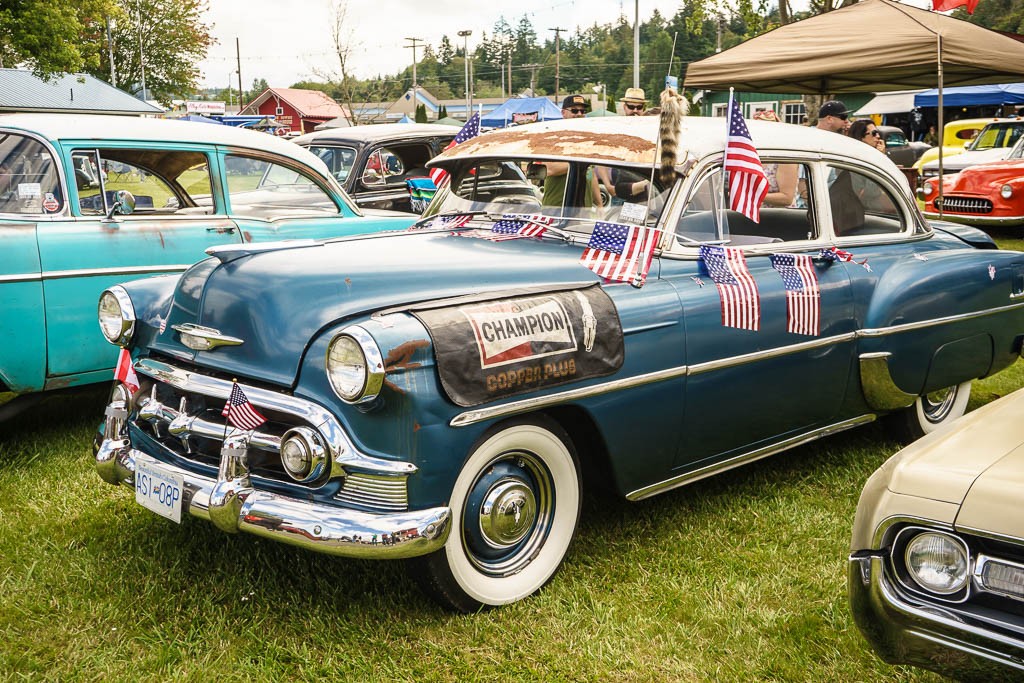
574, 106
834, 116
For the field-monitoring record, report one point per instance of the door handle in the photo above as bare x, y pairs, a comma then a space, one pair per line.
221, 230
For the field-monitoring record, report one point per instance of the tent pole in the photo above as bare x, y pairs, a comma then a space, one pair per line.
941, 122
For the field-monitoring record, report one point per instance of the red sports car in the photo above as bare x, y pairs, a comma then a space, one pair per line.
986, 194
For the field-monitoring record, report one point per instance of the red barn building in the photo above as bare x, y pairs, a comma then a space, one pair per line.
299, 110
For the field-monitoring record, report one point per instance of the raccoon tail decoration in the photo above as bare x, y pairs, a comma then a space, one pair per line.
673, 109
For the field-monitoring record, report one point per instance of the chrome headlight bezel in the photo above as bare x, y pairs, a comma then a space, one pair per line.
372, 366
118, 332
314, 448
913, 577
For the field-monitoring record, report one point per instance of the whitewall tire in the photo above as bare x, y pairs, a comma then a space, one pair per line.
935, 410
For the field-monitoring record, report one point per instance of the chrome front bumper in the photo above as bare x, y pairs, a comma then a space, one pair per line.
905, 632
232, 504
975, 219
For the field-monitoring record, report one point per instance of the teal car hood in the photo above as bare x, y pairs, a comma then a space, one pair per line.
340, 280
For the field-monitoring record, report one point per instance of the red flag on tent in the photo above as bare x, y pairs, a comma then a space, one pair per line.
946, 5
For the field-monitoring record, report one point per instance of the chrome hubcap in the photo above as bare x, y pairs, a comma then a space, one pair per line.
508, 513
938, 404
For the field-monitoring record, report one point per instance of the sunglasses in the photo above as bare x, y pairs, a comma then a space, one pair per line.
875, 133
577, 110
634, 107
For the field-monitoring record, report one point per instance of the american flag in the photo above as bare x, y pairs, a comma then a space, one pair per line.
124, 372
741, 304
748, 185
620, 252
522, 225
240, 412
469, 131
803, 298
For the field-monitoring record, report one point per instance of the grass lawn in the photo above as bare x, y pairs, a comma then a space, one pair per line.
738, 578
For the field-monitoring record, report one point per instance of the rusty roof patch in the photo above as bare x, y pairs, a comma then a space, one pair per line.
556, 143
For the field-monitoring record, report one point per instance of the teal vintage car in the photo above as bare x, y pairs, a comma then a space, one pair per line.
89, 201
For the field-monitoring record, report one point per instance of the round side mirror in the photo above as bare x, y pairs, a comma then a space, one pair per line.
123, 204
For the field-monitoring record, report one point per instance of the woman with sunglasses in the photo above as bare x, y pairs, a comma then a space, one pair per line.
865, 131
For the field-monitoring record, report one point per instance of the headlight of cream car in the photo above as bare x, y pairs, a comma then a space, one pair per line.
116, 315
937, 562
355, 366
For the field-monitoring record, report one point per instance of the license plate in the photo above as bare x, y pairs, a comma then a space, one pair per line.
158, 489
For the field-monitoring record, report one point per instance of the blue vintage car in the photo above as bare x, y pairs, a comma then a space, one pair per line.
65, 236
443, 394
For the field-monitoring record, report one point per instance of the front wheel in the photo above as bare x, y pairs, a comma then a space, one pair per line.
515, 507
932, 411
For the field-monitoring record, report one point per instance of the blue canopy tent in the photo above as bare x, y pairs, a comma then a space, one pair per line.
972, 95
521, 107
200, 119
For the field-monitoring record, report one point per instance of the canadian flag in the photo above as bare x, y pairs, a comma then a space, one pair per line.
124, 372
946, 5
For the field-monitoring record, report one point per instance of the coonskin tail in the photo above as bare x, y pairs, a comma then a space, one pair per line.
673, 109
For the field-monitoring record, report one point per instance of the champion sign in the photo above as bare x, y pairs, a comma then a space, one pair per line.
487, 350
520, 329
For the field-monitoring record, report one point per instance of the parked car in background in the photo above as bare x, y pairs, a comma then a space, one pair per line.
936, 571
902, 152
372, 163
443, 393
88, 201
955, 136
993, 143
983, 194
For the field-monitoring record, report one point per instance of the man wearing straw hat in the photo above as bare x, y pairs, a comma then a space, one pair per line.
634, 102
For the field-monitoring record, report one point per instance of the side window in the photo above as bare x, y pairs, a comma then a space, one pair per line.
785, 214
263, 189
861, 205
29, 182
384, 166
338, 159
162, 181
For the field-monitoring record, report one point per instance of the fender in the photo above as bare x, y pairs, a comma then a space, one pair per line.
970, 235
23, 314
975, 333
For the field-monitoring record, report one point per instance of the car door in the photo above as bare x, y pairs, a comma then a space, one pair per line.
177, 216
754, 381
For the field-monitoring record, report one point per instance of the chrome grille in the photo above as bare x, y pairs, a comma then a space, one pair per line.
181, 408
955, 204
387, 493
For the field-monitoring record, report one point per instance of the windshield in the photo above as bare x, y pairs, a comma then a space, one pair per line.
338, 159
579, 193
997, 135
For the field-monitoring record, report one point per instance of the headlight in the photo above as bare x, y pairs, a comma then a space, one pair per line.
355, 366
1006, 192
116, 315
927, 189
303, 454
937, 562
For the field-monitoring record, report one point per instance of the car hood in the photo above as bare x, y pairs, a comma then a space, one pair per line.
969, 158
983, 176
977, 462
277, 299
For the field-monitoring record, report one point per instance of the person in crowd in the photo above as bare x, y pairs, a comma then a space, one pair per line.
834, 116
866, 131
931, 137
782, 178
573, 107
634, 102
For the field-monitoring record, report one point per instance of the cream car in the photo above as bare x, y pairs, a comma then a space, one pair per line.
936, 572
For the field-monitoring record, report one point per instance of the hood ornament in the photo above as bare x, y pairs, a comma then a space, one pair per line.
199, 338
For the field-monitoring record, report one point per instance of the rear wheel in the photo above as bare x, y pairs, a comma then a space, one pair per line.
932, 411
515, 507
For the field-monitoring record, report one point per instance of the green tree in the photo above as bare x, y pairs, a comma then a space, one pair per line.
445, 53
421, 113
998, 15
53, 37
168, 38
259, 86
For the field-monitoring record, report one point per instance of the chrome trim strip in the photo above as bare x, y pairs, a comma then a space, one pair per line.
95, 272
343, 452
971, 531
733, 361
212, 337
743, 459
880, 390
907, 327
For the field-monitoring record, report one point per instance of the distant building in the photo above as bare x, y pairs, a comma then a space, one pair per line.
22, 91
390, 112
297, 109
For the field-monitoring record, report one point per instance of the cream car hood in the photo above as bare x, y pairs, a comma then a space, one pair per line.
976, 462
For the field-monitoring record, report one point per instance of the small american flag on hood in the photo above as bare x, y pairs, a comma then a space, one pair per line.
240, 412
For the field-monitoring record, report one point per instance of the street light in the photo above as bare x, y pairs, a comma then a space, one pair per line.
465, 51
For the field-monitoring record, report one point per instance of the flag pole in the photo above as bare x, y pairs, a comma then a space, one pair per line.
938, 41
720, 227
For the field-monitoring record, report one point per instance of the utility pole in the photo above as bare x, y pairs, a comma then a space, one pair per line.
558, 32
110, 52
533, 77
465, 53
238, 57
142, 58
415, 103
636, 44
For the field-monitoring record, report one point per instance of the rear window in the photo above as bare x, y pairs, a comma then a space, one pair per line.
29, 182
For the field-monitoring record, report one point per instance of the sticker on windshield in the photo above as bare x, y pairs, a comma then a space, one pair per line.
491, 350
29, 190
633, 213
50, 203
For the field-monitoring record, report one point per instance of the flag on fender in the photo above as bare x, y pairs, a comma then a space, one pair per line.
240, 412
621, 252
124, 372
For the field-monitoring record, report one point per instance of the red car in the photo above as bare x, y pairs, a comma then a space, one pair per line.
986, 194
